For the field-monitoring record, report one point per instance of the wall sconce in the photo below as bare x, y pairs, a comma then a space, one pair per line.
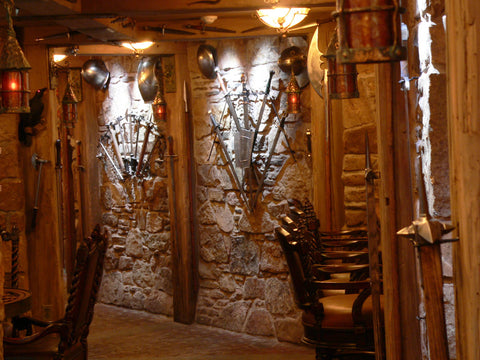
341, 78
159, 105
369, 34
293, 95
282, 18
14, 86
69, 106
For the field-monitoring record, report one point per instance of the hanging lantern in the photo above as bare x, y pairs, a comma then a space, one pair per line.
369, 33
14, 82
293, 95
341, 78
69, 106
159, 107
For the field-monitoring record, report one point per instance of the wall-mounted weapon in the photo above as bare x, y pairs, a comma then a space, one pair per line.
37, 163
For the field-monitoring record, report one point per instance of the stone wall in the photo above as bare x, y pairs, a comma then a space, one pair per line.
244, 282
358, 116
138, 271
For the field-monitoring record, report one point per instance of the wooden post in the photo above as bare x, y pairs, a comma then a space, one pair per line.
184, 248
402, 330
463, 97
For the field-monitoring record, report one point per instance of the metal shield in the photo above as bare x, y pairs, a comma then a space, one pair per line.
147, 81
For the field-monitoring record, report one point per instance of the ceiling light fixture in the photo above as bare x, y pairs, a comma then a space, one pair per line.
282, 18
136, 46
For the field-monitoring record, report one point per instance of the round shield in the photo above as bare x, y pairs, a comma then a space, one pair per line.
292, 59
315, 72
146, 79
95, 73
207, 60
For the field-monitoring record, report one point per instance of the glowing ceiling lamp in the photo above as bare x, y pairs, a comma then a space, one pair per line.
282, 18
136, 46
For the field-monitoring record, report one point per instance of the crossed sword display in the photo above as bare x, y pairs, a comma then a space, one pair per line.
125, 144
247, 138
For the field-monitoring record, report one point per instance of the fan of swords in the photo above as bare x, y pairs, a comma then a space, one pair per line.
245, 139
131, 139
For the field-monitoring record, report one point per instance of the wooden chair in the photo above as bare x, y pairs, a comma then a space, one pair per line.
337, 311
66, 338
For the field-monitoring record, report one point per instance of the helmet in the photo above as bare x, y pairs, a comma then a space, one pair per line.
207, 60
95, 73
146, 78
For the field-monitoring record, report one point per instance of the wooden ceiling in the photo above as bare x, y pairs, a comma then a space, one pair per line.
80, 22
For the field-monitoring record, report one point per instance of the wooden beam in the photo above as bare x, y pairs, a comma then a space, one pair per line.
402, 331
463, 97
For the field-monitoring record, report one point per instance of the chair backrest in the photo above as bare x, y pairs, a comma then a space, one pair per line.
85, 284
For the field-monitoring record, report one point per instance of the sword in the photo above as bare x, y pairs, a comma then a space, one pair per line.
284, 133
37, 163
204, 28
267, 164
262, 109
116, 149
81, 182
233, 113
58, 170
229, 160
111, 161
144, 148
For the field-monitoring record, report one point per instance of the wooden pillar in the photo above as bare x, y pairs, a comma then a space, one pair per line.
182, 200
402, 330
44, 258
463, 70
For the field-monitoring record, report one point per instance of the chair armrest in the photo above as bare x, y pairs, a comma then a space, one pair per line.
59, 327
339, 268
340, 285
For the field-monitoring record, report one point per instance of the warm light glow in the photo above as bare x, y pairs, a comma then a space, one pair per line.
138, 45
282, 18
58, 57
13, 85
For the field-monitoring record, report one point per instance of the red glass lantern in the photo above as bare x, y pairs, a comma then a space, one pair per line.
369, 33
69, 107
14, 81
342, 78
293, 95
159, 107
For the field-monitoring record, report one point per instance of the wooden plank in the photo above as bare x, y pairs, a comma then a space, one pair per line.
430, 258
402, 334
464, 149
184, 253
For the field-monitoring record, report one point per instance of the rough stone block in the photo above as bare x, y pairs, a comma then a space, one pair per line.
278, 298
259, 322
233, 316
289, 329
254, 288
244, 258
272, 259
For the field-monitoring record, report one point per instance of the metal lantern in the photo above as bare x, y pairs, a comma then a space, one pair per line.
14, 81
369, 33
341, 78
69, 107
293, 95
159, 107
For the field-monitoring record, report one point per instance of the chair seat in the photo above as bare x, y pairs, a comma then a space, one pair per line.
337, 312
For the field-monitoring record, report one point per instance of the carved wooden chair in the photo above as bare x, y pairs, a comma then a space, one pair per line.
66, 338
337, 311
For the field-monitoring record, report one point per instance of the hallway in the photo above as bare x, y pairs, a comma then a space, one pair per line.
124, 334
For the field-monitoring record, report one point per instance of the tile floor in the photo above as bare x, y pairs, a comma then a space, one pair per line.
124, 334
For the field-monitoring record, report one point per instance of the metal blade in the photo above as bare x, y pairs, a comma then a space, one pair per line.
164, 30
209, 28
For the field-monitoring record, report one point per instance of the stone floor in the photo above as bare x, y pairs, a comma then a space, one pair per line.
121, 334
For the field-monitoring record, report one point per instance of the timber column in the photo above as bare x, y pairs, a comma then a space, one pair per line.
463, 70
182, 199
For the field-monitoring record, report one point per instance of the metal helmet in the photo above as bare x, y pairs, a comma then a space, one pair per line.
146, 78
207, 60
95, 73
